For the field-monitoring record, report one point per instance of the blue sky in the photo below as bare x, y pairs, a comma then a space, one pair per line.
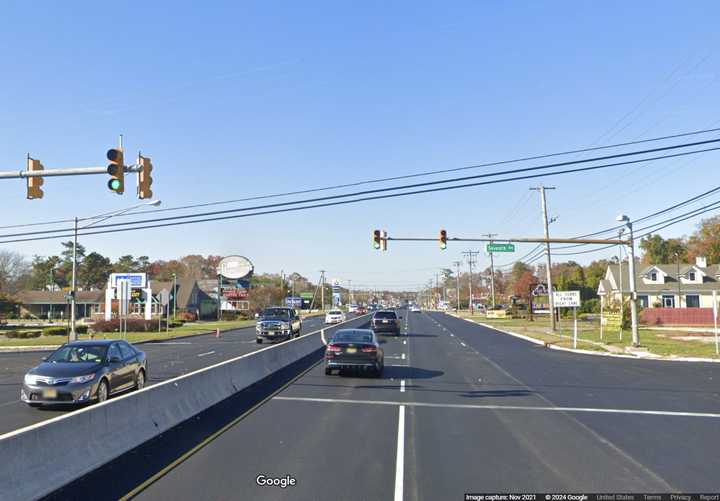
237, 99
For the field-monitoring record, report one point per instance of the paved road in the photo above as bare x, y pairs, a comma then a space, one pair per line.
166, 360
462, 408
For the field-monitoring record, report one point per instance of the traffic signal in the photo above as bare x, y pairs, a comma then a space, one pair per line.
377, 239
116, 169
383, 240
144, 178
34, 183
443, 239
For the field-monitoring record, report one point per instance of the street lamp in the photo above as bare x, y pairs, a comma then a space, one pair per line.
622, 218
99, 218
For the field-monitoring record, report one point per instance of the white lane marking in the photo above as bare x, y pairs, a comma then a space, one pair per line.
396, 365
453, 335
400, 461
208, 353
402, 357
402, 386
393, 356
537, 408
404, 341
463, 344
171, 343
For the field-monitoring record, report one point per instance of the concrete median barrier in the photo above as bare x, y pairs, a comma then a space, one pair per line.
41, 458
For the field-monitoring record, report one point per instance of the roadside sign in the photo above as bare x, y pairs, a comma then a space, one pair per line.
566, 299
500, 247
306, 295
235, 267
136, 280
164, 297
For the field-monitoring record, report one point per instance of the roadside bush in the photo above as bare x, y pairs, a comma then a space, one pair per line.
55, 331
186, 316
11, 334
230, 316
29, 334
133, 325
590, 306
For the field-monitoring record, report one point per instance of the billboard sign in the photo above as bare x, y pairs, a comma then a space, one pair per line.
136, 280
294, 302
235, 267
235, 293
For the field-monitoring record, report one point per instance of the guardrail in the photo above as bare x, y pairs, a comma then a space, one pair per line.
41, 458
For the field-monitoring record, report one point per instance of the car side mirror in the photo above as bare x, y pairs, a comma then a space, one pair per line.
44, 359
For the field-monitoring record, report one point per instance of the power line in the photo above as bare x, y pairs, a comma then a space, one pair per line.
380, 190
409, 176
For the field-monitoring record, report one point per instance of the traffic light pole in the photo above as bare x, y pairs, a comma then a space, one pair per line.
73, 171
73, 334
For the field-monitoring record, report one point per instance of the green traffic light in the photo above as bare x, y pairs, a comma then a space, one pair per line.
114, 184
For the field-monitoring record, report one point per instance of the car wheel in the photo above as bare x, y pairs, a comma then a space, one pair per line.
102, 391
140, 380
258, 341
328, 371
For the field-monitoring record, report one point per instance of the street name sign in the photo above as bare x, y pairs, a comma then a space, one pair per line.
500, 247
566, 299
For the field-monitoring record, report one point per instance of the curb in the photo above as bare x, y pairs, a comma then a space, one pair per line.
659, 358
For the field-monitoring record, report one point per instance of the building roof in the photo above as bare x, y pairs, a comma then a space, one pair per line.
58, 297
185, 288
711, 281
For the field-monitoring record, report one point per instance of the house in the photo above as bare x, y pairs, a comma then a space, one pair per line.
47, 304
664, 285
190, 297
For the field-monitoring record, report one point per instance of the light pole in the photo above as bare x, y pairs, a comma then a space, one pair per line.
175, 295
99, 218
633, 290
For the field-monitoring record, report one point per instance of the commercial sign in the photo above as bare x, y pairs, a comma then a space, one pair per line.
235, 293
500, 247
136, 280
611, 320
306, 295
566, 299
293, 302
496, 314
235, 267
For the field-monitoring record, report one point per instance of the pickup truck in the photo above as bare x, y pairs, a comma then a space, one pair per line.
277, 323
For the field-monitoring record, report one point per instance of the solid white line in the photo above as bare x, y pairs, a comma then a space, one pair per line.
402, 386
507, 407
208, 353
400, 462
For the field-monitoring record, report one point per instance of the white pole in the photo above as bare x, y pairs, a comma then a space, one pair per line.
574, 327
715, 312
602, 304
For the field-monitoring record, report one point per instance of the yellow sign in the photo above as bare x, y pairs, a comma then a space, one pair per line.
611, 320
496, 314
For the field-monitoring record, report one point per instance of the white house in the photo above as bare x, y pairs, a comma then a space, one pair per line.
665, 285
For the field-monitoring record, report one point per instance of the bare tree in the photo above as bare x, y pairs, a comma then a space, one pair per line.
13, 269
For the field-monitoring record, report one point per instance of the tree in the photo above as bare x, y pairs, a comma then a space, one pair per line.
706, 240
13, 269
46, 272
657, 250
522, 287
125, 264
95, 271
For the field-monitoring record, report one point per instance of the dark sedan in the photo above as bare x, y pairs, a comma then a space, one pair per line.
386, 321
354, 349
85, 371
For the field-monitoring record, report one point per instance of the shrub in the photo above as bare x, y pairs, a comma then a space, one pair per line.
133, 324
590, 306
55, 331
186, 316
11, 334
28, 334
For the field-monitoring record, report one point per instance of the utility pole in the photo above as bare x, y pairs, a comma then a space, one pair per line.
471, 261
457, 283
492, 270
622, 296
437, 288
322, 289
543, 201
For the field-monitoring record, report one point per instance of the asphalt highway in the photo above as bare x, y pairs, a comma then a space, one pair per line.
462, 408
166, 360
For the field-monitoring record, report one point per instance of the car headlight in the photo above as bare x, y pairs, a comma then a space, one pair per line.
30, 379
284, 325
83, 379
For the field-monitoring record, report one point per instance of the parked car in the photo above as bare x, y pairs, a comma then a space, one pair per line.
354, 349
278, 323
415, 309
334, 317
85, 371
386, 321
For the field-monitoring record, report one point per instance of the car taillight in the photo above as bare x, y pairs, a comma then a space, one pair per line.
369, 349
334, 348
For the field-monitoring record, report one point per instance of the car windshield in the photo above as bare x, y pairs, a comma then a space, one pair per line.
385, 314
335, 312
352, 337
79, 354
276, 313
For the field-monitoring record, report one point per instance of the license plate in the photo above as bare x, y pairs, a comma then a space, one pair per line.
351, 350
49, 393
385, 321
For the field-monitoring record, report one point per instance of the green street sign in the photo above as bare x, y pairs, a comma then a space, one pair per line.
501, 247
